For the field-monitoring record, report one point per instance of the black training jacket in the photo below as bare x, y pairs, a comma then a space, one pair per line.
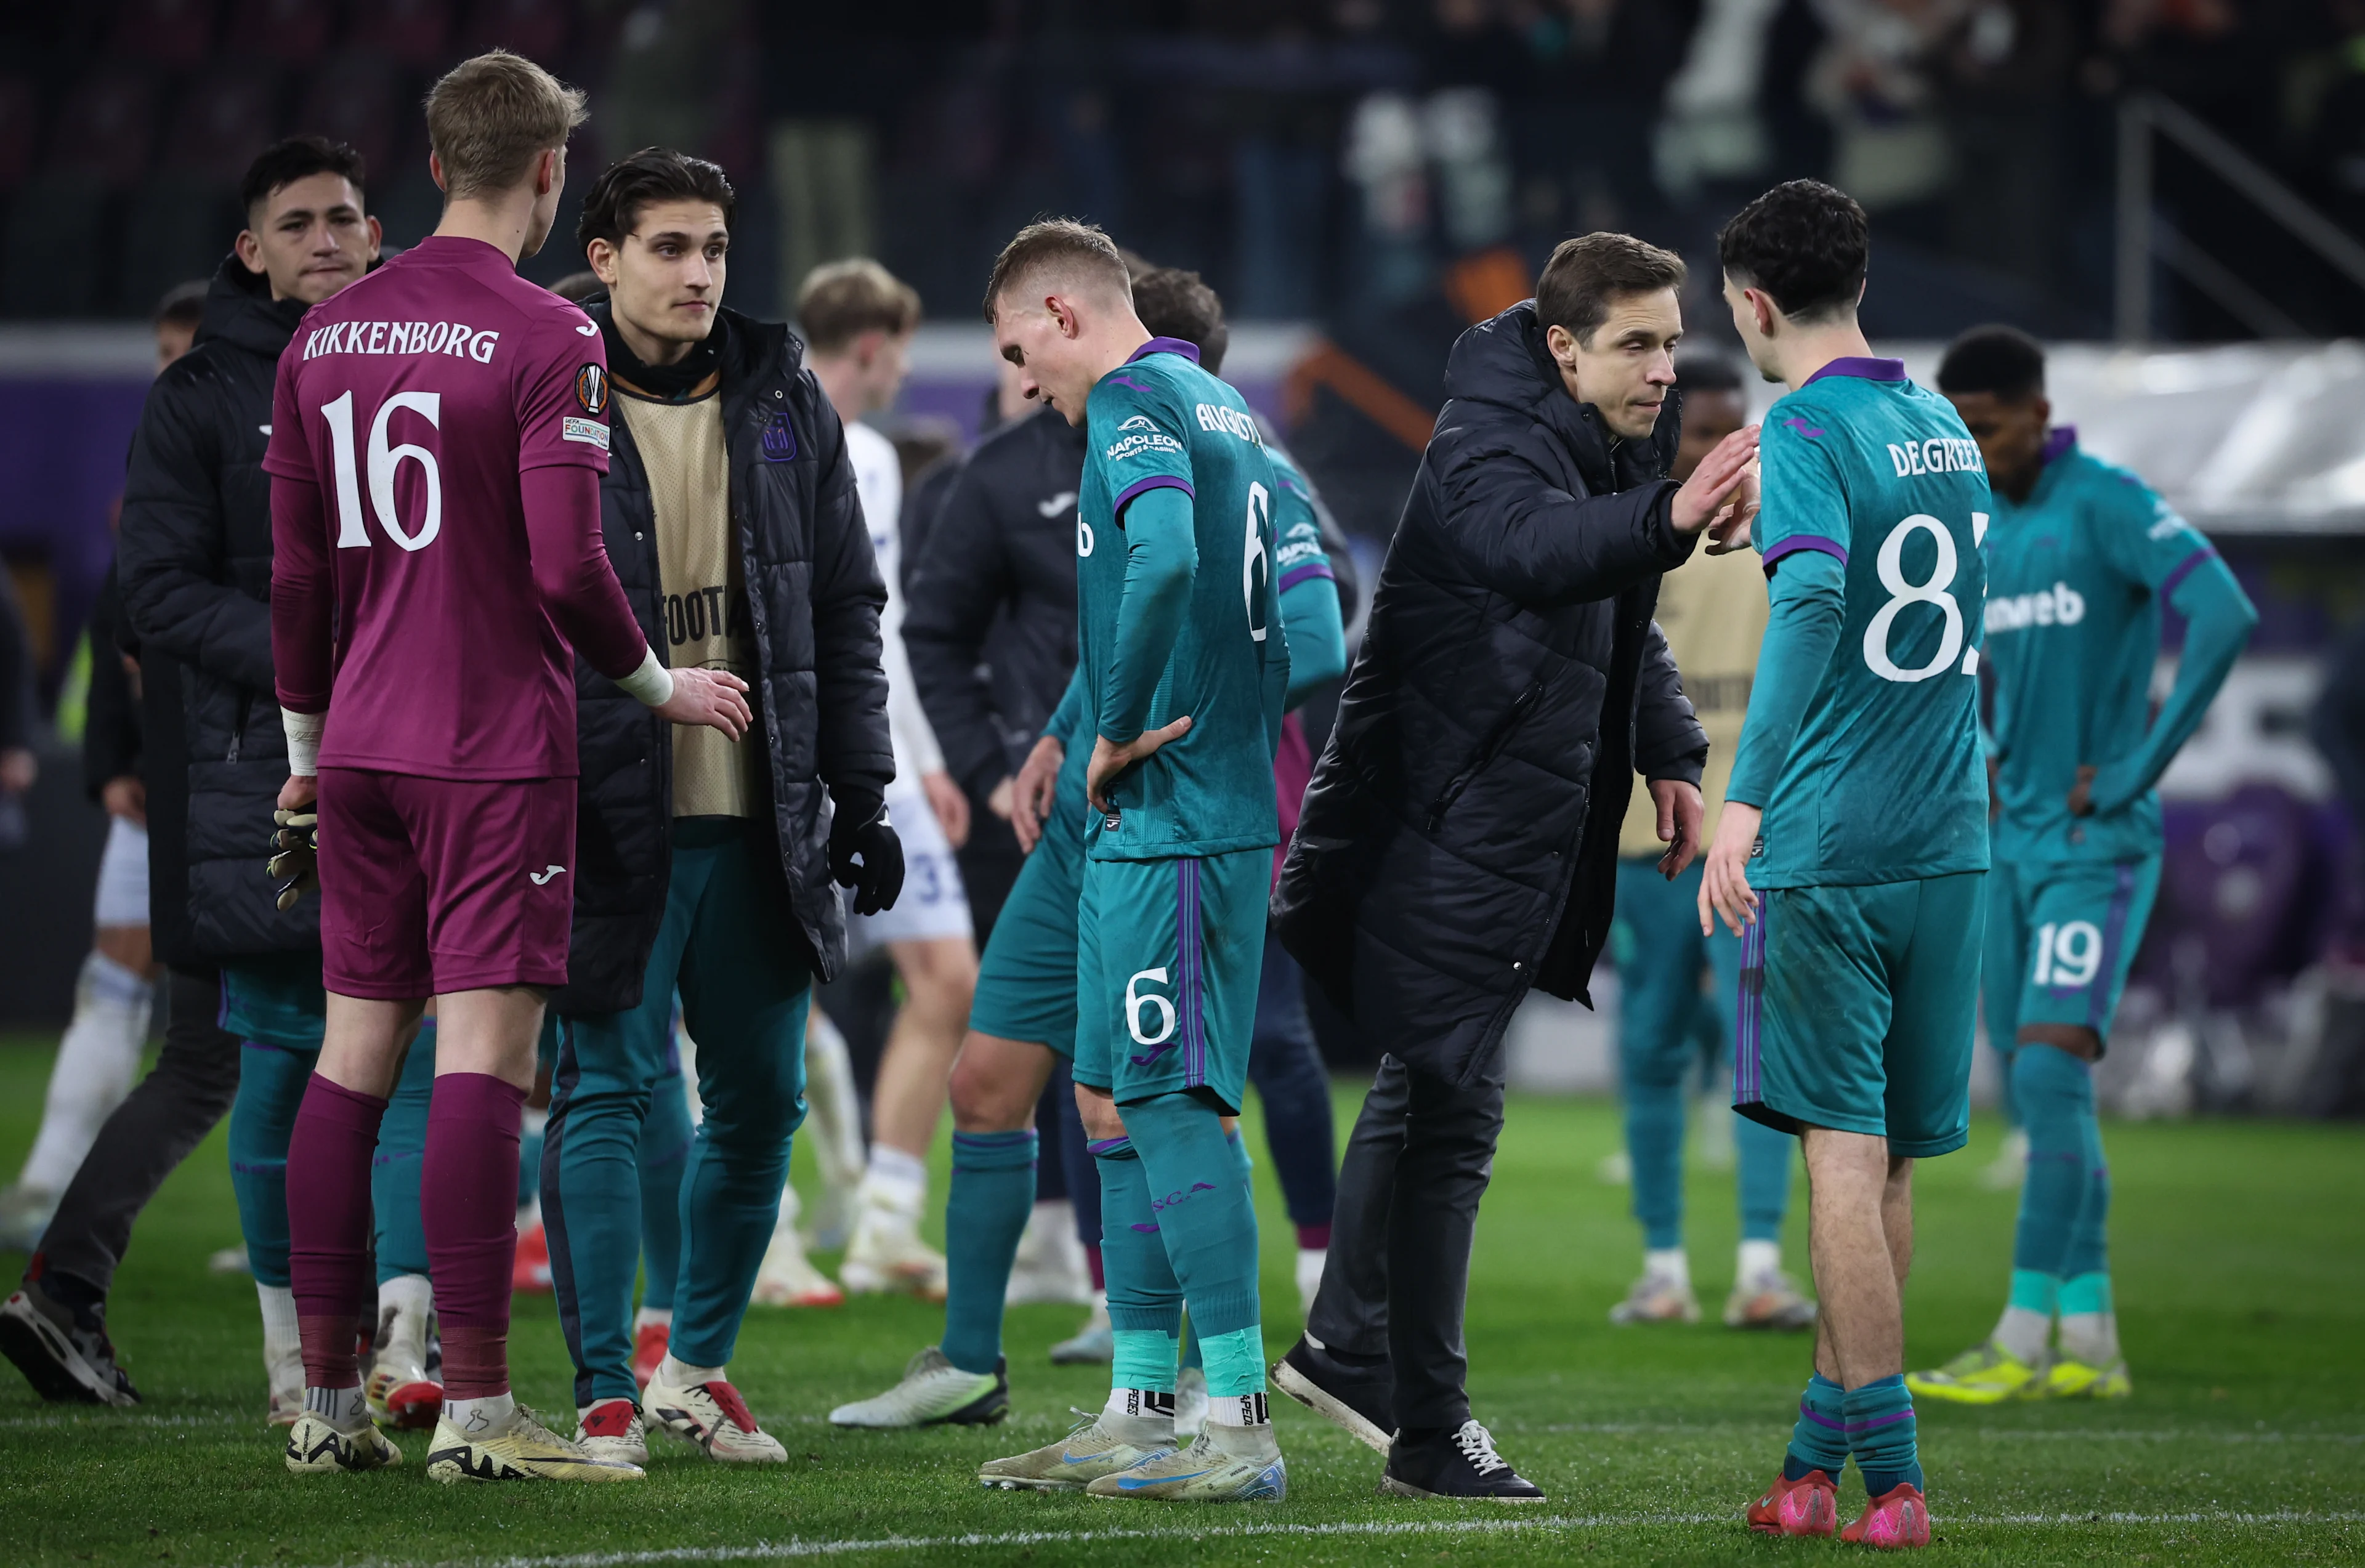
193, 561
813, 599
1458, 844
110, 731
989, 600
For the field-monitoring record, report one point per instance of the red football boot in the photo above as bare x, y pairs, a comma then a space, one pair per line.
1897, 1520
1808, 1505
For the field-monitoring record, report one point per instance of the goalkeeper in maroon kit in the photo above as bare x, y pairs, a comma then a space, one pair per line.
438, 434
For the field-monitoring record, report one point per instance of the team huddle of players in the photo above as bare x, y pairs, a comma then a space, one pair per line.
439, 436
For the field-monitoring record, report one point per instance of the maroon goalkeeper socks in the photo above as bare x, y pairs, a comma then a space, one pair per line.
329, 1225
468, 1207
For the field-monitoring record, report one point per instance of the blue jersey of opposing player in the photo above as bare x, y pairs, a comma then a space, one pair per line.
1161, 421
1882, 780
2076, 578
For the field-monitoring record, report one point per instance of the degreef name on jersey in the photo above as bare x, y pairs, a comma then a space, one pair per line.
1158, 421
1885, 782
2076, 576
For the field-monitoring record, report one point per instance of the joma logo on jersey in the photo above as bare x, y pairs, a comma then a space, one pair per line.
2168, 526
454, 338
1228, 421
1939, 454
2059, 605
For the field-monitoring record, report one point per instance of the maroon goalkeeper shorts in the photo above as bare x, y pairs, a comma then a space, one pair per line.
430, 886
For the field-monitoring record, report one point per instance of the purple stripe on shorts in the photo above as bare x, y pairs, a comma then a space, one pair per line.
1187, 944
1799, 542
1296, 575
1808, 1412
2114, 933
2185, 568
1753, 1007
1155, 482
1108, 1146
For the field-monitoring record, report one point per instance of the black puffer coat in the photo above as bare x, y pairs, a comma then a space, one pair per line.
194, 564
1459, 841
815, 596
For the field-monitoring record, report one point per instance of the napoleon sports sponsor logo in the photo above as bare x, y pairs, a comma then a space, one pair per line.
1301, 544
1228, 421
1139, 436
1939, 454
2059, 605
454, 338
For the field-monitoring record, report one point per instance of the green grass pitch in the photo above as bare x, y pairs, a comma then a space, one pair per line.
2239, 1252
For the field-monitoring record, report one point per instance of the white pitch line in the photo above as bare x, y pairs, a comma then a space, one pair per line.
769, 1551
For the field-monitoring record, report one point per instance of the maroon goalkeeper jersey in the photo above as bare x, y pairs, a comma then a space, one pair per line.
420, 416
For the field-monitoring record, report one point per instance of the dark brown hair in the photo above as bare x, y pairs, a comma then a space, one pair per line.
1173, 303
841, 300
1585, 274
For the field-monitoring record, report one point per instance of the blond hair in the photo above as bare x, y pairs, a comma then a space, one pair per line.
491, 117
1078, 253
839, 301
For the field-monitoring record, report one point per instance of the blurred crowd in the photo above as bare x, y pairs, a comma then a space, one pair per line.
1310, 157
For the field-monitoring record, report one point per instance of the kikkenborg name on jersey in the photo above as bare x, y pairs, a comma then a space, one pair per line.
2059, 605
454, 338
1939, 454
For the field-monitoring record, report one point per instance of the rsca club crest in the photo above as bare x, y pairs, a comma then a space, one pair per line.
779, 437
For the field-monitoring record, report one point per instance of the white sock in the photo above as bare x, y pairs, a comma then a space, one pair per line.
482, 1417
404, 1303
649, 1315
1670, 1264
96, 1062
1239, 1410
1142, 1416
897, 1179
2023, 1330
681, 1374
1241, 1427
280, 1338
2091, 1337
344, 1409
1758, 1261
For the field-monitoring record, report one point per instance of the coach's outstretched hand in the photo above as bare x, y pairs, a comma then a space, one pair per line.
1110, 759
1032, 790
1715, 482
867, 857
1680, 810
1724, 881
714, 698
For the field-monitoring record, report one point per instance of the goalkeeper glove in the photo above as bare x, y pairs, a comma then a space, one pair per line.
295, 865
868, 858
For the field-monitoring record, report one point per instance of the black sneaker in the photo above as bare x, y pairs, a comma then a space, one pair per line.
64, 1354
1461, 1463
1358, 1395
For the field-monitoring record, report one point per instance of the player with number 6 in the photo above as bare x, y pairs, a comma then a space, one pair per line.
1854, 846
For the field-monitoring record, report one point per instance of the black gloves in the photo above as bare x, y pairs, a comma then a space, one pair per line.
866, 855
295, 864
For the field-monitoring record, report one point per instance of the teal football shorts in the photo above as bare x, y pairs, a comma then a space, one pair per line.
2061, 937
1169, 953
1858, 1006
1027, 978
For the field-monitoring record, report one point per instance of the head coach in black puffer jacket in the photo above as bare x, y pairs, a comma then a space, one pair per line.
1459, 844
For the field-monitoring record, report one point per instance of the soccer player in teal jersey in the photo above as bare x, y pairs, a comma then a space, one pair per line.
1853, 842
1025, 1009
1185, 669
2081, 557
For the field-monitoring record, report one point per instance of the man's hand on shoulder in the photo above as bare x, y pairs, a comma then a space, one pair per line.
1715, 482
1110, 759
1724, 882
714, 698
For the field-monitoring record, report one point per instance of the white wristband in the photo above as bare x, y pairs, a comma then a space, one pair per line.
652, 683
303, 741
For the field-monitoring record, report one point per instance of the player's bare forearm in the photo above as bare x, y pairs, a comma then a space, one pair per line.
1725, 881
302, 790
1031, 792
